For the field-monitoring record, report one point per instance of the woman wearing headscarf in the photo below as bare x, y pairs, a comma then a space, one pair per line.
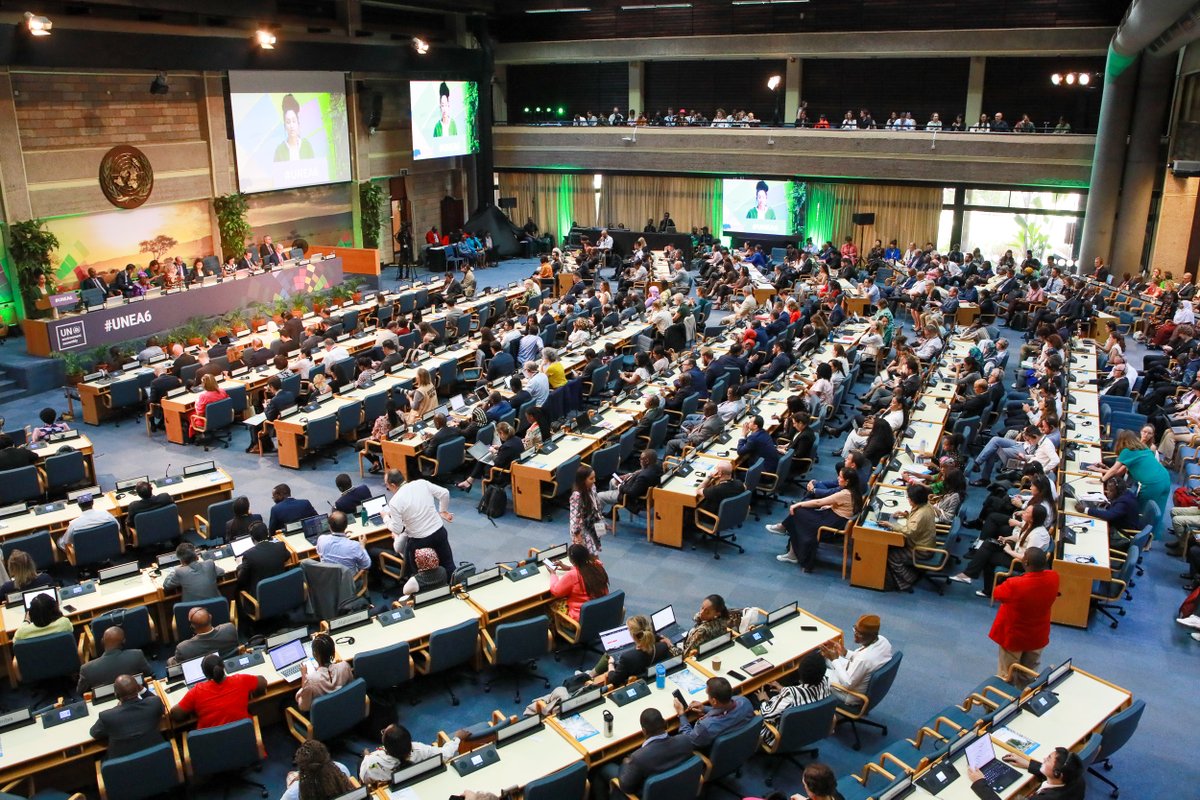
430, 573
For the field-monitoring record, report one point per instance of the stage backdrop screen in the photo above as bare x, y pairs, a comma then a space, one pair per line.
443, 118
289, 129
762, 207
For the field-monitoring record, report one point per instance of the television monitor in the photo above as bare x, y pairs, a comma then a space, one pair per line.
289, 129
762, 207
444, 118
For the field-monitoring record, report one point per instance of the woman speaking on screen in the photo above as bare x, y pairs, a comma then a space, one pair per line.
293, 148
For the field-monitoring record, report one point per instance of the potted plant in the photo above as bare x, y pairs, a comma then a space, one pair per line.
339, 295
219, 330
231, 221
299, 303
30, 247
236, 321
75, 366
354, 286
371, 197
320, 299
259, 313
192, 332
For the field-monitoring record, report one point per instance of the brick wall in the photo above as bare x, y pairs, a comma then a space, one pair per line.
57, 111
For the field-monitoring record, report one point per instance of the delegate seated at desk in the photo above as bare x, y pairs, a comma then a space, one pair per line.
23, 575
336, 547
89, 517
276, 401
195, 578
1061, 776
287, 509
720, 713
658, 753
852, 669
221, 699
114, 661
147, 501
398, 749
133, 724
43, 619
206, 638
12, 457
351, 496
265, 559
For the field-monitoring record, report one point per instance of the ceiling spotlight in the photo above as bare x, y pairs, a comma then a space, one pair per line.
38, 25
420, 45
1084, 79
159, 85
773, 82
1070, 79
265, 39
1056, 79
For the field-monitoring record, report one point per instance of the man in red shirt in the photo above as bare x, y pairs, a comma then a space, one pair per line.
431, 236
1022, 624
221, 699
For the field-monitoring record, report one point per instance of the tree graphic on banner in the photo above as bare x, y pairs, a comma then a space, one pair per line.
158, 246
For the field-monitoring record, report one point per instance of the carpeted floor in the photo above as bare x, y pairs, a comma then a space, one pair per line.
944, 638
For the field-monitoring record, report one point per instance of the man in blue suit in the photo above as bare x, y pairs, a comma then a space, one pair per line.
287, 509
757, 443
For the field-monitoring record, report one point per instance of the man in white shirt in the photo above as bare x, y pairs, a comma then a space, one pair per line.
931, 347
604, 242
853, 669
416, 515
334, 353
88, 518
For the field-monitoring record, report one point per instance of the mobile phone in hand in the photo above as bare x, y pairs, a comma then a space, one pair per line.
678, 695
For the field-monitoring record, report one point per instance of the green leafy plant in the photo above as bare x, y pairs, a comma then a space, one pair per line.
31, 246
340, 293
235, 319
371, 197
97, 356
231, 221
298, 301
74, 363
281, 305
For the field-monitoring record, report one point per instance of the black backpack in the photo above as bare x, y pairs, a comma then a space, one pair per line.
494, 502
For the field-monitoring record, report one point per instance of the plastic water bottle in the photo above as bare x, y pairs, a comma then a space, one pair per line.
660, 676
608, 724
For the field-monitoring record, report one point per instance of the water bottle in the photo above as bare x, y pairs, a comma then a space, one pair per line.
660, 676
608, 724
362, 515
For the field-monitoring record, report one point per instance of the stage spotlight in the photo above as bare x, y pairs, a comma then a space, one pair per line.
1070, 79
773, 82
37, 24
1056, 79
1084, 79
420, 45
265, 39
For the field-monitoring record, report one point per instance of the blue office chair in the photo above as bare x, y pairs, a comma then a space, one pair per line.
226, 751
331, 715
216, 424
219, 608
341, 372
569, 783
237, 393
605, 462
561, 485
516, 649
374, 406
877, 690
449, 649
136, 622
657, 435
63, 471
321, 439
122, 397
730, 514
213, 526
1117, 731
38, 545
385, 668
144, 774
20, 485
445, 378
290, 383
349, 420
276, 596
851, 788
798, 730
448, 457
678, 783
595, 616
157, 526
751, 477
45, 658
772, 483
730, 751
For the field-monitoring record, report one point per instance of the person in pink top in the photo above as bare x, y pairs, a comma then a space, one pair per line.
585, 580
211, 393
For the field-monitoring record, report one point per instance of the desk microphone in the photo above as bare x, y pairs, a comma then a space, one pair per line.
167, 473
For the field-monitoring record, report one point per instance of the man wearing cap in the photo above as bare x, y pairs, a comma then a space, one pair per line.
88, 518
853, 669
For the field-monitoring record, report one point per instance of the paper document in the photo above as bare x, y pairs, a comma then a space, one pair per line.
578, 727
688, 681
1016, 741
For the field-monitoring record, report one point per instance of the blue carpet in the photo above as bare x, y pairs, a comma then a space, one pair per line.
944, 638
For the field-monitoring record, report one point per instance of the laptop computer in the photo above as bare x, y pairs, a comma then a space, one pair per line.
287, 658
315, 526
615, 639
664, 624
192, 674
27, 597
240, 545
374, 508
981, 754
